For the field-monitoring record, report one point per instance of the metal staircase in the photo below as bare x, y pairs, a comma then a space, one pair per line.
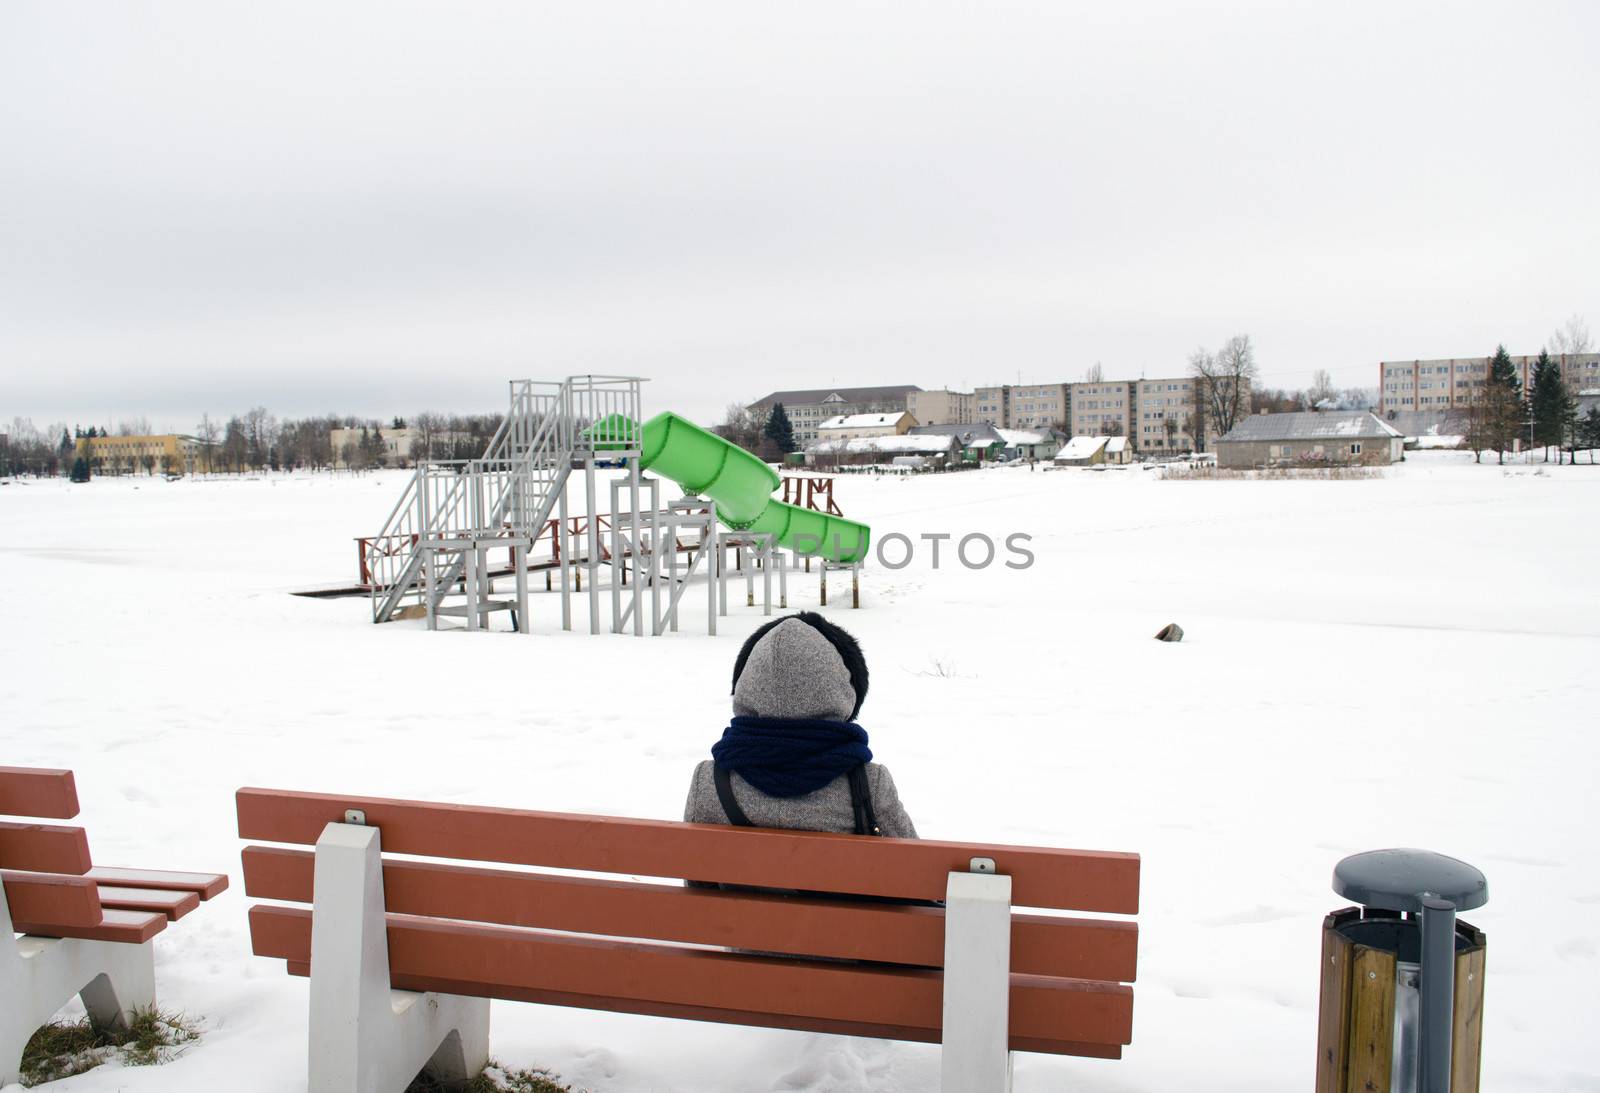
509, 492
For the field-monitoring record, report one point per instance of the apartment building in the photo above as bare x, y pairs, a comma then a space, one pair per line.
1167, 416
1021, 406
171, 453
1102, 408
808, 409
1448, 383
941, 407
1039, 406
992, 405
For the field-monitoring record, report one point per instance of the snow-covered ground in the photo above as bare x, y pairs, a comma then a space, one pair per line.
1406, 661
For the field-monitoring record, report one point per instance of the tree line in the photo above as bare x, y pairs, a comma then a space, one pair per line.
252, 442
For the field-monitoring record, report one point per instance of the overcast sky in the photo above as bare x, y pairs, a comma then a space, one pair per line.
376, 208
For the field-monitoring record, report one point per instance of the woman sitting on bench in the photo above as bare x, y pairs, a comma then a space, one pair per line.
793, 756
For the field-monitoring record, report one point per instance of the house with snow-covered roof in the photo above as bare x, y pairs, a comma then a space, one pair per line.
1082, 451
855, 426
1327, 437
1026, 444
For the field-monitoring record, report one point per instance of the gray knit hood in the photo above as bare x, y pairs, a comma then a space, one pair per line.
797, 668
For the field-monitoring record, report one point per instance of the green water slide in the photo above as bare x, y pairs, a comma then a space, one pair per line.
741, 485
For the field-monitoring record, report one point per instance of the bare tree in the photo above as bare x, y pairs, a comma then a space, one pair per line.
1321, 390
1572, 338
1095, 374
137, 426
207, 433
742, 426
1224, 380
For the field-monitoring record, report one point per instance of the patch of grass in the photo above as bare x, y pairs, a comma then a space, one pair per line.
496, 1079
64, 1048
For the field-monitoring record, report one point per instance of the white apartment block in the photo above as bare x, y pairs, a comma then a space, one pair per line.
941, 407
1020, 406
992, 405
1168, 415
1102, 409
1446, 383
1041, 406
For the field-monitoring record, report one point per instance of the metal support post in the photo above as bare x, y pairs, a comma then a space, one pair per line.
469, 561
711, 547
1438, 992
519, 562
633, 522
430, 592
564, 558
592, 563
766, 575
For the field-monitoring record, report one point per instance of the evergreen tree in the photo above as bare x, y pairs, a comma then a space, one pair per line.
779, 431
1503, 405
1552, 406
1588, 429
80, 469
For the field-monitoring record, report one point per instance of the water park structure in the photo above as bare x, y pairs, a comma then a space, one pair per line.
558, 442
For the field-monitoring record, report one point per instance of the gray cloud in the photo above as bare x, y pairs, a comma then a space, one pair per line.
375, 208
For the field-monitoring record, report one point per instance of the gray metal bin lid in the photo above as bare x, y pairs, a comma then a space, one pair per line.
1400, 879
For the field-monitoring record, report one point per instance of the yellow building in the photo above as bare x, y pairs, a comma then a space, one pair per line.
169, 454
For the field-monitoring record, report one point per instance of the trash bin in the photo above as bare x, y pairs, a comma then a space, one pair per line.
1401, 1006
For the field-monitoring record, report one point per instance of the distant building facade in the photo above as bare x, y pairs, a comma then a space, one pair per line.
1448, 383
1332, 437
808, 409
396, 447
941, 407
171, 453
856, 426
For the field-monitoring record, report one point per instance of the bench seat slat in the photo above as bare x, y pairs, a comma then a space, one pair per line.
205, 885
174, 905
52, 898
1042, 945
759, 1020
1084, 880
493, 962
38, 791
130, 927
43, 848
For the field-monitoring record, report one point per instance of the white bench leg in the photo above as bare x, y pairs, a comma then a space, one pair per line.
976, 1057
39, 975
365, 1036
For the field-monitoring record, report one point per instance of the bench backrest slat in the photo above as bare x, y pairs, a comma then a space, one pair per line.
1084, 880
43, 848
51, 898
1043, 945
38, 791
492, 961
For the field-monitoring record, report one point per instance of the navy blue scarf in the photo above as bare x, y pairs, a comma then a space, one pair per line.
789, 757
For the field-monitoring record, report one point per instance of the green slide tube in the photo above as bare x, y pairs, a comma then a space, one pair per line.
741, 485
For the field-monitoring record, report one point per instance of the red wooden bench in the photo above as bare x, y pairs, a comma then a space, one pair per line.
971, 974
86, 929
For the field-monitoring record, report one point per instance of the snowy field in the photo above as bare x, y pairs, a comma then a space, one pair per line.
1407, 661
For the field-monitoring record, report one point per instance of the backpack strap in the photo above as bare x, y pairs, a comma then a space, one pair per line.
861, 802
724, 782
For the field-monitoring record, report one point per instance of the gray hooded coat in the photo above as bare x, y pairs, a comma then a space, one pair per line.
795, 672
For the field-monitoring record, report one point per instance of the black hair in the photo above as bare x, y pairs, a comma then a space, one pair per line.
843, 642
